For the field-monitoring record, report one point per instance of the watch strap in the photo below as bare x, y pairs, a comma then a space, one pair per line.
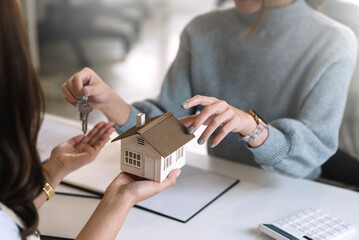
261, 127
49, 191
255, 134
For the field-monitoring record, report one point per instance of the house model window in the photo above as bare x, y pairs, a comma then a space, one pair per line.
133, 159
154, 147
168, 162
179, 154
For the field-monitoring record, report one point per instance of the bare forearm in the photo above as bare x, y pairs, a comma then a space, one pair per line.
106, 221
116, 109
123, 193
73, 154
53, 176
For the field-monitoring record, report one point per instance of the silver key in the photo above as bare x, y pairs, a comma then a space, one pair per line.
84, 108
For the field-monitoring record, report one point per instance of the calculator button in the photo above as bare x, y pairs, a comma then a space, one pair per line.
325, 235
311, 234
347, 226
308, 212
281, 223
300, 215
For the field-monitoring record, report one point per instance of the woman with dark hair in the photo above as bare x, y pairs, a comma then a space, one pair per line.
25, 184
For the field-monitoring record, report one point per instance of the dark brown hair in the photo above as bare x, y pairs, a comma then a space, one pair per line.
21, 106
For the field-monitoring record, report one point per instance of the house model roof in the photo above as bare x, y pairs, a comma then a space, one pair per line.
164, 133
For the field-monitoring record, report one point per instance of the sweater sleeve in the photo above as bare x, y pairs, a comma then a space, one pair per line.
297, 147
176, 88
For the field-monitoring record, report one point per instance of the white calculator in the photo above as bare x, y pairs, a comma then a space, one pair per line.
309, 224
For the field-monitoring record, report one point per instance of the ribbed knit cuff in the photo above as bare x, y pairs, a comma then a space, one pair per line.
130, 122
275, 148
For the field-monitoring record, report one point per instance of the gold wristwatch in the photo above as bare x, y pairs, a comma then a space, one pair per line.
261, 127
49, 191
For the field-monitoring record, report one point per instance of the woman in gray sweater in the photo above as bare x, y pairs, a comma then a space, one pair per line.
289, 63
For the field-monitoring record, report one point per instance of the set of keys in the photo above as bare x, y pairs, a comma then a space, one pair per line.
85, 108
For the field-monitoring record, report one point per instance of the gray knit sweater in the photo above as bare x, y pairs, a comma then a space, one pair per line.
295, 73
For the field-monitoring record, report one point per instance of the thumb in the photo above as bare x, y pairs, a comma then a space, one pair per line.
94, 90
89, 91
171, 178
174, 173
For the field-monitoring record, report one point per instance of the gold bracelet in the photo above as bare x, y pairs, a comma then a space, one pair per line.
49, 191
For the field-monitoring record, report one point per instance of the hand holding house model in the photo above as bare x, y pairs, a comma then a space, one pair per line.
154, 147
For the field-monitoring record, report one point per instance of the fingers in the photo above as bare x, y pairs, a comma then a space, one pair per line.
187, 121
96, 138
171, 179
84, 82
227, 128
209, 112
72, 103
95, 129
92, 90
121, 179
215, 113
139, 189
217, 121
69, 96
103, 139
93, 145
198, 100
77, 83
103, 133
76, 140
73, 87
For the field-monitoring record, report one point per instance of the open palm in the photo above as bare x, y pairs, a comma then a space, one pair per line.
81, 150
137, 188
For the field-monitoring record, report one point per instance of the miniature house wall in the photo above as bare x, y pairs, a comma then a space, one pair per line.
153, 148
140, 158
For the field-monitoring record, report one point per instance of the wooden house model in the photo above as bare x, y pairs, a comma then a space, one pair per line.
154, 147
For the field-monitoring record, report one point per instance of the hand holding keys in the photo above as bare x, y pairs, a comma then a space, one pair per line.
84, 108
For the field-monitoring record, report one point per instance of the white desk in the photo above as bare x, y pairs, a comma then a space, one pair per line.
260, 197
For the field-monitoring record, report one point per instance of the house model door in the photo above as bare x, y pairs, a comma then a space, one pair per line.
150, 168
